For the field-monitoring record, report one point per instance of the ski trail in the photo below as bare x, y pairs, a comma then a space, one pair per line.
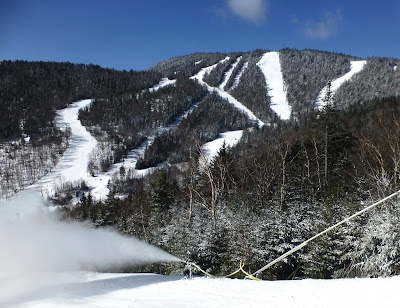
271, 68
355, 67
73, 165
163, 83
179, 119
199, 77
228, 74
231, 138
129, 163
205, 70
238, 76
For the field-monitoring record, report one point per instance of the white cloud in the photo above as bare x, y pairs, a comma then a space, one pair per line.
254, 11
324, 28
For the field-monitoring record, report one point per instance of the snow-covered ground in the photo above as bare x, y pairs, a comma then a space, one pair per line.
129, 163
228, 74
271, 68
210, 149
200, 76
89, 289
42, 261
236, 80
73, 165
41, 256
355, 67
163, 83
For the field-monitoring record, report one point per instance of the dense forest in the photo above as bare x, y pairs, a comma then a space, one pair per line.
31, 92
281, 184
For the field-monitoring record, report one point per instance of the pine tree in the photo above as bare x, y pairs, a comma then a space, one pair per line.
161, 192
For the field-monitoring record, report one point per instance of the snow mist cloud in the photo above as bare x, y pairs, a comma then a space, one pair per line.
32, 239
254, 11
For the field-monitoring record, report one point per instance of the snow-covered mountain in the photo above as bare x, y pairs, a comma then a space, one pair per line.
261, 87
216, 157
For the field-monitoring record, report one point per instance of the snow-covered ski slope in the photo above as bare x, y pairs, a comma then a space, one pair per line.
236, 79
210, 149
200, 76
355, 67
228, 74
163, 83
108, 290
73, 165
271, 68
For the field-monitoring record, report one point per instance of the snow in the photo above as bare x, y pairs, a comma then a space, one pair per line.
395, 68
42, 258
163, 83
89, 289
210, 149
199, 77
228, 74
73, 166
133, 156
355, 67
239, 106
271, 68
198, 62
50, 274
184, 115
238, 76
129, 163
205, 70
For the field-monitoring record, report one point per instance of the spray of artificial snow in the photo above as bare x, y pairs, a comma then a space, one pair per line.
32, 239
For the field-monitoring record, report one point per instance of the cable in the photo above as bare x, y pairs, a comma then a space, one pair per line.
240, 269
322, 233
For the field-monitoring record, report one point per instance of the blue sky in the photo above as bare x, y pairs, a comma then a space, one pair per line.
133, 34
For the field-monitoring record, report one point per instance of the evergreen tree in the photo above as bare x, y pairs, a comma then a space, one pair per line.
161, 192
